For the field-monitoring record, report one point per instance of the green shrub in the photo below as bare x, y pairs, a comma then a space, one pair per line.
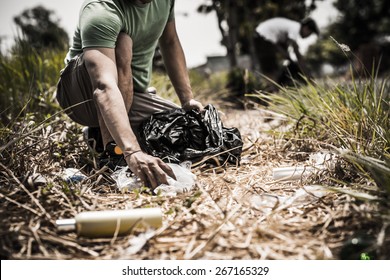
28, 80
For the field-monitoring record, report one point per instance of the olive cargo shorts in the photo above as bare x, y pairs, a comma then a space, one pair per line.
75, 96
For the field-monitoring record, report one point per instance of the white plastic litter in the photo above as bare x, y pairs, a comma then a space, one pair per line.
323, 159
318, 161
36, 180
291, 173
268, 203
136, 243
185, 180
124, 180
72, 175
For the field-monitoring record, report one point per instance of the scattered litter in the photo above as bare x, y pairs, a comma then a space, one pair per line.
124, 179
291, 173
138, 242
323, 159
72, 175
36, 180
185, 180
271, 203
304, 196
318, 161
265, 202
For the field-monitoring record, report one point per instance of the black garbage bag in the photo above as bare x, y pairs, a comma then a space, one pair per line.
178, 135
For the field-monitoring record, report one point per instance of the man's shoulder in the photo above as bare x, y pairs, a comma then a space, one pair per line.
89, 2
281, 21
100, 5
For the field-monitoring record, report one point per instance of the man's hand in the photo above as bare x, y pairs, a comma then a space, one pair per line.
151, 170
193, 104
175, 64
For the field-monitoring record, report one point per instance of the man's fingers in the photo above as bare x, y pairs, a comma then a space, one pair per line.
154, 176
151, 178
160, 175
144, 179
165, 167
193, 104
151, 170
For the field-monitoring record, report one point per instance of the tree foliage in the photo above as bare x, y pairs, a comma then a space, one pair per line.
361, 25
360, 21
41, 30
237, 19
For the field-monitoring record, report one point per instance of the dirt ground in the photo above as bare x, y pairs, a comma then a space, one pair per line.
233, 212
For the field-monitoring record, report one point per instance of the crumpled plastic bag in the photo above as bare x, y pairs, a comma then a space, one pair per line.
125, 180
178, 135
185, 180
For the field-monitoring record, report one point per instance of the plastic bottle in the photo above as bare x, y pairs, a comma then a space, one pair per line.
112, 222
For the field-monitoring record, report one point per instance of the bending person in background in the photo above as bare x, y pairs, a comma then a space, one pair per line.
274, 37
104, 85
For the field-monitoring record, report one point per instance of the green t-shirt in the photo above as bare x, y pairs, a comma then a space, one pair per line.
101, 21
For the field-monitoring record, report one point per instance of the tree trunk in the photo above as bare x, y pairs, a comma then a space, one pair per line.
250, 37
232, 22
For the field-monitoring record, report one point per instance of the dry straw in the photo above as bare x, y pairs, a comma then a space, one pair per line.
235, 212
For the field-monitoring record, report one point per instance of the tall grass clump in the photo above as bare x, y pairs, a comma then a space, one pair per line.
352, 117
27, 80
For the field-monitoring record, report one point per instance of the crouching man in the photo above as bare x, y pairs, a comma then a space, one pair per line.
108, 70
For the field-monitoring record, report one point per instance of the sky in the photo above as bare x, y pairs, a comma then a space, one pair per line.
199, 34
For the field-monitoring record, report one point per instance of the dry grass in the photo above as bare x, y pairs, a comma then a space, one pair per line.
235, 212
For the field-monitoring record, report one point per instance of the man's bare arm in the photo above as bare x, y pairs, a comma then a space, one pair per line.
102, 68
175, 64
300, 58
